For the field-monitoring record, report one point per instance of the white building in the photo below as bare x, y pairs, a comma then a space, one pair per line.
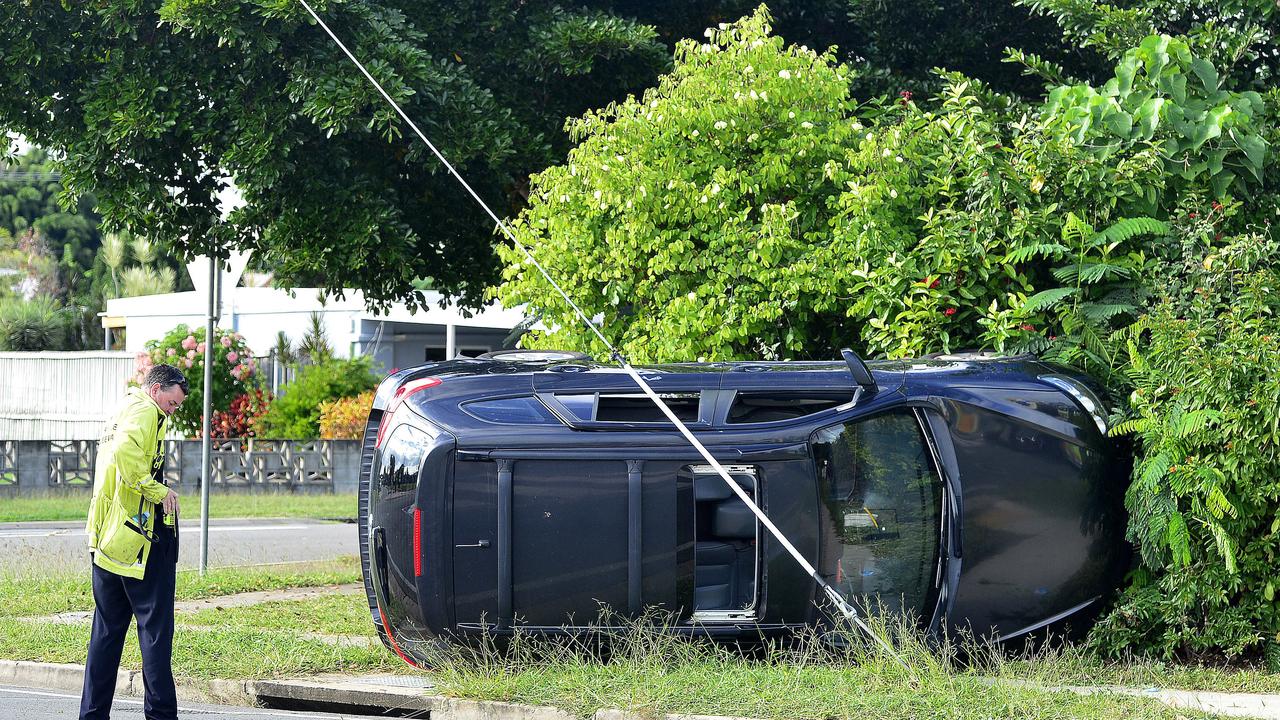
397, 339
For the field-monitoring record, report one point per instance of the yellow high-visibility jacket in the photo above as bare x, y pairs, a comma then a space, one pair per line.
123, 481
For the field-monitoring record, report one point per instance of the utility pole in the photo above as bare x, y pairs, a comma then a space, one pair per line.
206, 442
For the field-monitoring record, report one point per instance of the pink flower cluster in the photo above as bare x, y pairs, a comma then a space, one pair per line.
142, 364
244, 369
191, 355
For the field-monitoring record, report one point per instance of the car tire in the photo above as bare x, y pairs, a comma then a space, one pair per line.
534, 356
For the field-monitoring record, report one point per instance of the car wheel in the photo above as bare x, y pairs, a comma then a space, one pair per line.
534, 356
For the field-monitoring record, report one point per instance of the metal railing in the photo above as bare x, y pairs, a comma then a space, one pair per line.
238, 464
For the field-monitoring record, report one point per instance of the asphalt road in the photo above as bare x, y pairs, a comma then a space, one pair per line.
61, 545
16, 702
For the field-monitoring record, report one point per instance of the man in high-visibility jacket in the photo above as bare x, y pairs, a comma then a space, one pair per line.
135, 553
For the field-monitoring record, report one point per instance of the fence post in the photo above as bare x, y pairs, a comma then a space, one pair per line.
33, 468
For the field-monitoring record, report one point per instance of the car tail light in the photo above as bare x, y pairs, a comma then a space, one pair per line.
402, 393
417, 542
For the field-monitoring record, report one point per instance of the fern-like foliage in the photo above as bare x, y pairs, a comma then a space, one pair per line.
1100, 291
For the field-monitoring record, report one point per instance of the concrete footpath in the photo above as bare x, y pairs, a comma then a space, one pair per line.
413, 696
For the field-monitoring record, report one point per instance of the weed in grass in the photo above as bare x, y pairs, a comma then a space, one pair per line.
643, 665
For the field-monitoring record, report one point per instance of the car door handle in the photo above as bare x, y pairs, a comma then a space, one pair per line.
480, 544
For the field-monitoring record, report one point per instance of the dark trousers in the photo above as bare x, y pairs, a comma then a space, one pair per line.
117, 601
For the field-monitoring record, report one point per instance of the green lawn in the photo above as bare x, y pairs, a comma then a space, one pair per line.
253, 642
654, 673
228, 505
646, 670
27, 594
337, 614
241, 653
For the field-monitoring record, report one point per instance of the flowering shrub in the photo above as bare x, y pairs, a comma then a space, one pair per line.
344, 418
233, 370
295, 413
240, 420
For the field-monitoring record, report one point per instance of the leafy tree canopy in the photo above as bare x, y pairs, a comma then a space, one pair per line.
30, 187
154, 104
748, 206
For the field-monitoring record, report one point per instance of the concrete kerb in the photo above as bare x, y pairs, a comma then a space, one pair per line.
1251, 705
352, 693
373, 692
59, 676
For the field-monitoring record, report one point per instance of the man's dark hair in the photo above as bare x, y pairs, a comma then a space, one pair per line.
167, 376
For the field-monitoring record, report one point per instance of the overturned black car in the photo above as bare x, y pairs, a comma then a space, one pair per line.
529, 491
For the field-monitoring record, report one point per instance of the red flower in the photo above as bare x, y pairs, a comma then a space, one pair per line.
949, 312
905, 95
1217, 205
933, 283
1028, 327
1053, 337
1192, 215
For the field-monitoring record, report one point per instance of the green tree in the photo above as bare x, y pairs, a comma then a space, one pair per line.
746, 206
1238, 37
30, 187
152, 104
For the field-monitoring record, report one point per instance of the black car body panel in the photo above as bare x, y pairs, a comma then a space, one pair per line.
972, 493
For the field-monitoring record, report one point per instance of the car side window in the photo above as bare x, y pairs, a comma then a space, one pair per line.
402, 456
881, 510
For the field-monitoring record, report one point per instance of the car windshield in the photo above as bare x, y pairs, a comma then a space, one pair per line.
881, 511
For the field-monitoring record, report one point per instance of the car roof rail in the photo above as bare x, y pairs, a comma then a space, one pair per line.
858, 369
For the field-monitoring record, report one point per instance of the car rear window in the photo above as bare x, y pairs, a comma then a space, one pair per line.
523, 410
402, 455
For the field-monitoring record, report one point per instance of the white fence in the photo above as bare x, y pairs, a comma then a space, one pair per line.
60, 395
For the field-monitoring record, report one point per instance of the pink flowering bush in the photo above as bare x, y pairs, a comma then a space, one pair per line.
234, 370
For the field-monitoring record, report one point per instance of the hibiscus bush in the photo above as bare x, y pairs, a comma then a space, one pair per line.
241, 419
234, 370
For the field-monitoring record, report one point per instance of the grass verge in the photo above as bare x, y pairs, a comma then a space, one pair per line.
641, 668
345, 614
31, 594
229, 505
240, 653
652, 672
